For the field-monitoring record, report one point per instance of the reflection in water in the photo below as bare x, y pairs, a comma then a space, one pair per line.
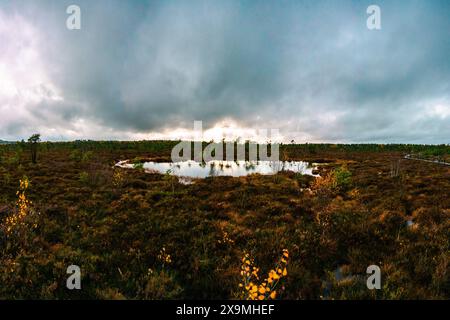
192, 169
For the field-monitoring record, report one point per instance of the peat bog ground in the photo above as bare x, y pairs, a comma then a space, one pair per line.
138, 235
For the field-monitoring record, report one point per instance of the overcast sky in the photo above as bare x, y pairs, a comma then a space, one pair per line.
141, 70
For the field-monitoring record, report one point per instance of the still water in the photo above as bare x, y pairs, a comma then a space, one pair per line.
192, 169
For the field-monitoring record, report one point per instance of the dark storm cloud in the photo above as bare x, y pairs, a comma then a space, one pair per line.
309, 67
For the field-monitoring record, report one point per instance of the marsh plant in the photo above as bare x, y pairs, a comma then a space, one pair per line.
6, 179
395, 168
137, 164
22, 220
343, 178
127, 231
14, 159
18, 219
80, 156
170, 179
118, 179
225, 238
337, 180
255, 288
83, 177
164, 258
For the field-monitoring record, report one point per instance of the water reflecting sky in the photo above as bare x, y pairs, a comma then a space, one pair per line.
194, 169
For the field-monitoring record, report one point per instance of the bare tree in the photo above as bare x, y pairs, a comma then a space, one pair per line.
395, 168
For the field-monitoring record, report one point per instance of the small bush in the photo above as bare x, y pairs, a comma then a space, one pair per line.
340, 179
80, 156
138, 166
343, 178
75, 155
160, 285
83, 177
86, 156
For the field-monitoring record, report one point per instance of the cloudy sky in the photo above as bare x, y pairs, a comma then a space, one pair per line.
147, 69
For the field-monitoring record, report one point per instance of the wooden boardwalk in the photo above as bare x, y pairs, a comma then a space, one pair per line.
408, 156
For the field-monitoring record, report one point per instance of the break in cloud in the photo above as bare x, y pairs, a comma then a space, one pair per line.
148, 69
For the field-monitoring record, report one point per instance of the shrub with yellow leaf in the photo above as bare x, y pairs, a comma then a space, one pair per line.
164, 257
324, 184
118, 179
225, 238
252, 286
18, 218
339, 179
